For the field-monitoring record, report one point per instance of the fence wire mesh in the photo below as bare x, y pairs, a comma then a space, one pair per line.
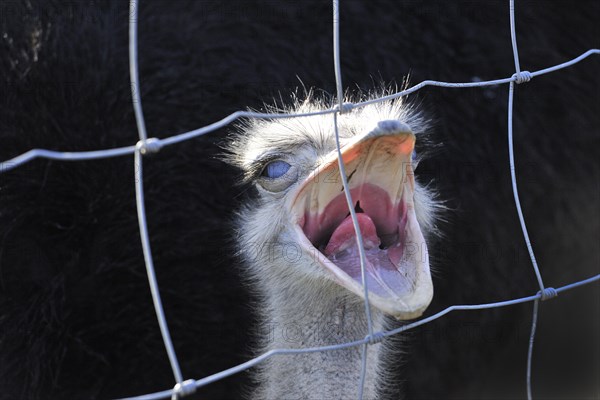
147, 145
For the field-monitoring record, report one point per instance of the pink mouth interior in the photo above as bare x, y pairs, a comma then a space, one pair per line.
384, 229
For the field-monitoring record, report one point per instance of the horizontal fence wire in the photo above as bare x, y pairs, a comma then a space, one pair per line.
255, 361
148, 145
30, 155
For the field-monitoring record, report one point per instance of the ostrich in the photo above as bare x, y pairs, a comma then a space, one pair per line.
76, 320
299, 243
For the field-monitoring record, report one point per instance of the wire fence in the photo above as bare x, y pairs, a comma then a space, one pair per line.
147, 145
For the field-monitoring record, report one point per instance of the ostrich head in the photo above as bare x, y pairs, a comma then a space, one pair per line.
298, 232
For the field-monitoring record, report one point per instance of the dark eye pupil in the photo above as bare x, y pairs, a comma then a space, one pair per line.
276, 169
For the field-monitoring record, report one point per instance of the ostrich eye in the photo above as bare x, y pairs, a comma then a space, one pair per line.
277, 176
275, 169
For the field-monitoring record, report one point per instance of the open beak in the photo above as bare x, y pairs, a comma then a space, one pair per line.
381, 181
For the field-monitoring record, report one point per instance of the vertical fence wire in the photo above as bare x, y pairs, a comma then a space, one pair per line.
522, 77
510, 145
515, 191
359, 237
513, 35
139, 194
160, 314
134, 70
536, 305
336, 53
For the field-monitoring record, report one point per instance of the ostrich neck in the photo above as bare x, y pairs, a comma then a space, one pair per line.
309, 316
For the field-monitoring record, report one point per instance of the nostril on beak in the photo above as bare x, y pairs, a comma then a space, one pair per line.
392, 126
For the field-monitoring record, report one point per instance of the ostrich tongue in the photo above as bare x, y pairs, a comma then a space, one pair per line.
345, 236
382, 264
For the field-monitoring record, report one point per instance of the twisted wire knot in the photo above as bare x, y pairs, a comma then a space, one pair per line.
548, 293
523, 76
346, 107
149, 146
183, 389
377, 337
